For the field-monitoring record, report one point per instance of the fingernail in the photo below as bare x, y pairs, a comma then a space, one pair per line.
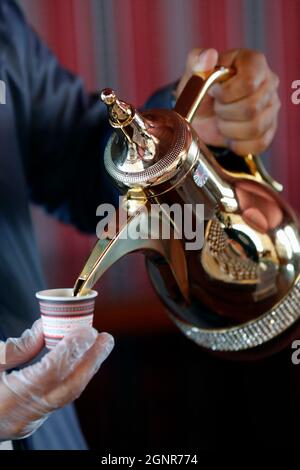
105, 347
109, 342
200, 64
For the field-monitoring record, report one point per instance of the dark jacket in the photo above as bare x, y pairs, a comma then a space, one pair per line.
52, 137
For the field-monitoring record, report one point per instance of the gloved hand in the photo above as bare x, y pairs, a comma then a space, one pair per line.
28, 396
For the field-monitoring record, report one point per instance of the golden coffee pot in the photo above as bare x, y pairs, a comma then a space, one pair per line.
239, 287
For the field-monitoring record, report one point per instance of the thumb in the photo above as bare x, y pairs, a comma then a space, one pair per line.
17, 351
199, 60
205, 61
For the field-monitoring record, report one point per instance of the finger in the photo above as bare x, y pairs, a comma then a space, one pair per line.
193, 57
199, 60
23, 349
246, 130
207, 129
73, 386
29, 409
249, 107
251, 71
54, 367
38, 406
17, 419
205, 61
256, 146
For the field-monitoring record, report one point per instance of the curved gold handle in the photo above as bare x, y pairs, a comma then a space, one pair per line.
191, 98
196, 88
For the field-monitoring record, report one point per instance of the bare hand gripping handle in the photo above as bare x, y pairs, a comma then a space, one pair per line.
196, 88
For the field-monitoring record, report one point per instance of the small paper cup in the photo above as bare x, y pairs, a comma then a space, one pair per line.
62, 313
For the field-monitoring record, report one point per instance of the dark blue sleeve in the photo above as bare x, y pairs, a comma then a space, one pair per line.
162, 98
69, 131
64, 131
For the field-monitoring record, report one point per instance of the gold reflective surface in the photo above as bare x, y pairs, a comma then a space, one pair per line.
240, 288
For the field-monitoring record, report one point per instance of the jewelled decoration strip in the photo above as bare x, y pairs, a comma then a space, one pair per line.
251, 334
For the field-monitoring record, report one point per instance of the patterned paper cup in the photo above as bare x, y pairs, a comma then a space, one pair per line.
61, 312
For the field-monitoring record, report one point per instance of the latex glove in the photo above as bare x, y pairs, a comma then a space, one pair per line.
28, 396
242, 112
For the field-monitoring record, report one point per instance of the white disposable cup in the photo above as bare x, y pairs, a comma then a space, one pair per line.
61, 312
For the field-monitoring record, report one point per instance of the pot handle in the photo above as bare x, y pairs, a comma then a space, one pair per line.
191, 98
196, 88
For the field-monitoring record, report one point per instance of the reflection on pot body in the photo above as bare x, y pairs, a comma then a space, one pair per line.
240, 289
